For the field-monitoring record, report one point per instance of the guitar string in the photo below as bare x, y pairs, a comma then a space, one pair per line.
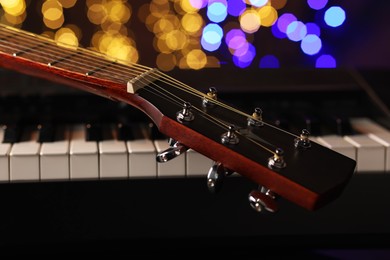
138, 71
165, 76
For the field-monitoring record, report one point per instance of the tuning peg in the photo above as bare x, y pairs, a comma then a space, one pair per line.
216, 175
303, 140
185, 115
174, 151
211, 95
257, 118
263, 199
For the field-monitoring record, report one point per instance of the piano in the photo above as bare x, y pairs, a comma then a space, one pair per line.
89, 181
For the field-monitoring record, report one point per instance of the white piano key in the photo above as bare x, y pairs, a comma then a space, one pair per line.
338, 144
173, 168
54, 159
4, 154
113, 159
365, 125
370, 155
84, 156
384, 139
197, 164
142, 159
24, 160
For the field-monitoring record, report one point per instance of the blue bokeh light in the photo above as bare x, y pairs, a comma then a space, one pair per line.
276, 32
258, 3
313, 28
236, 7
296, 31
269, 61
284, 20
326, 61
244, 56
317, 4
211, 37
334, 16
311, 44
217, 10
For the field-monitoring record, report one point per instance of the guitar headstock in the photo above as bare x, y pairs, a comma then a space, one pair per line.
281, 163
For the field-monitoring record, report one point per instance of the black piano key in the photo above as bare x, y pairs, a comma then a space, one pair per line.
12, 133
47, 133
94, 132
155, 134
339, 125
125, 131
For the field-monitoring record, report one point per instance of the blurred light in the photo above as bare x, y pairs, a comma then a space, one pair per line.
317, 4
236, 7
250, 21
276, 32
235, 39
196, 59
192, 23
244, 58
313, 28
334, 16
269, 61
159, 8
67, 3
296, 31
66, 36
284, 20
268, 16
326, 61
278, 4
258, 3
14, 7
97, 13
176, 40
311, 44
217, 10
211, 37
166, 61
118, 12
188, 7
198, 4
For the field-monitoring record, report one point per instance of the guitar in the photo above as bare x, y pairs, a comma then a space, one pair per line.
281, 163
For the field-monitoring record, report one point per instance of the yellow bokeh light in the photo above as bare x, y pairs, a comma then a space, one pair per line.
196, 59
176, 40
163, 26
97, 13
268, 15
120, 49
66, 36
187, 7
54, 24
159, 8
118, 11
15, 20
250, 21
51, 4
166, 61
192, 23
14, 7
67, 3
53, 14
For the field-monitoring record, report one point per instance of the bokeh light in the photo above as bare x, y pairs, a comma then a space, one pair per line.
217, 10
296, 31
269, 61
317, 4
334, 16
250, 21
211, 37
326, 61
311, 44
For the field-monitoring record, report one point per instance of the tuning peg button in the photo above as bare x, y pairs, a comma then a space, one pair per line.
260, 200
216, 175
174, 151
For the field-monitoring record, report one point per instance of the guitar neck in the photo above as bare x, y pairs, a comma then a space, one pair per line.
79, 67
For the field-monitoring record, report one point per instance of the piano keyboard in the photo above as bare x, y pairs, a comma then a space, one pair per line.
83, 153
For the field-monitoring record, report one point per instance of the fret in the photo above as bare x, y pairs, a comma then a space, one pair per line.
67, 57
29, 49
105, 66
